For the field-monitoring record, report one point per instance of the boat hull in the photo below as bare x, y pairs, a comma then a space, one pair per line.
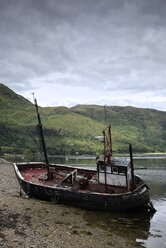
137, 199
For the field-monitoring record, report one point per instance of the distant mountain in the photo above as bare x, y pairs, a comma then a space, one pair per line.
8, 95
71, 130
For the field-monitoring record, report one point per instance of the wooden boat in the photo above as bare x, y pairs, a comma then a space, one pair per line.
111, 186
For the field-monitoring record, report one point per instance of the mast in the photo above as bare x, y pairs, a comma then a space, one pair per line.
107, 145
104, 142
107, 139
42, 136
110, 140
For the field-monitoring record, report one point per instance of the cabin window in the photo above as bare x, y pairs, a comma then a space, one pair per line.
114, 170
108, 169
102, 168
121, 171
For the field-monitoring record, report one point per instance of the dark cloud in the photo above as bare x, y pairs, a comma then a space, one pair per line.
109, 45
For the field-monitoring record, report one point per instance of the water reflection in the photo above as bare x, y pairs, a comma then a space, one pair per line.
74, 160
133, 226
157, 234
150, 163
156, 180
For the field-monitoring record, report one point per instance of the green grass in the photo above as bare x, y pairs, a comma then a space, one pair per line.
68, 130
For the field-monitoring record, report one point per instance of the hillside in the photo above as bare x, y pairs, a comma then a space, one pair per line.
71, 130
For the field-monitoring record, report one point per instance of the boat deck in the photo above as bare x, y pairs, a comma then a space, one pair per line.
39, 176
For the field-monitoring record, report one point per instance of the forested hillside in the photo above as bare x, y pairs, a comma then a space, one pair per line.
73, 130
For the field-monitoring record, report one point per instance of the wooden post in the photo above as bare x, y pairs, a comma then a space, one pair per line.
132, 167
104, 141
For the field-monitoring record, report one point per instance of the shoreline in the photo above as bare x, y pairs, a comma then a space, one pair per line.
23, 157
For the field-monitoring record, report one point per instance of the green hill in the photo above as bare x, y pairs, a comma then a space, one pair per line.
71, 130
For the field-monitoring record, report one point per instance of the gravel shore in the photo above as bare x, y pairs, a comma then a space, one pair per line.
32, 223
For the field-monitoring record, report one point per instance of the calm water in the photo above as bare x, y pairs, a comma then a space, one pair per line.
148, 231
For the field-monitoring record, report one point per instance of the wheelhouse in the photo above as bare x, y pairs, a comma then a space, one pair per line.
117, 173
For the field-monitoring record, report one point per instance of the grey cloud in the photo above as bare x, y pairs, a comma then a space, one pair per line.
107, 44
19, 87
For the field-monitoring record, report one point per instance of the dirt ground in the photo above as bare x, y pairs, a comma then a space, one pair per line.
32, 223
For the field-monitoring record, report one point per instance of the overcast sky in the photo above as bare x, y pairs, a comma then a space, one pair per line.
106, 52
